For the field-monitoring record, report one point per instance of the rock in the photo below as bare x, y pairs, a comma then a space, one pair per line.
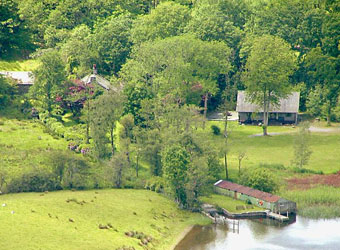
4, 205
144, 241
12, 212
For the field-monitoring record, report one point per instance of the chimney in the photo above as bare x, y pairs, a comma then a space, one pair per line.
94, 69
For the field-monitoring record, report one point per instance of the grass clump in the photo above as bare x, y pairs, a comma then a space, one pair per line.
318, 202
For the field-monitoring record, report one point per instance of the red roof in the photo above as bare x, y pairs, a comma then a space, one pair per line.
247, 190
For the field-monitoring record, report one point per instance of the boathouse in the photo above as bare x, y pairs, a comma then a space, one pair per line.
256, 197
286, 112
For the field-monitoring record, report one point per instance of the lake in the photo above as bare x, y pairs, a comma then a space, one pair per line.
299, 233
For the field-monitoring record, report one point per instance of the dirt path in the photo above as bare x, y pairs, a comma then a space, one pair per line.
312, 129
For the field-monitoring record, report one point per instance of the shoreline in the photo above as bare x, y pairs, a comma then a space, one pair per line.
181, 236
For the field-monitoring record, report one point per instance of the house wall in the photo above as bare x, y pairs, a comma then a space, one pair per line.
245, 117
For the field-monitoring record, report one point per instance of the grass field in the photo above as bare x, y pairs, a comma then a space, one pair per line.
25, 65
23, 144
277, 149
43, 222
228, 203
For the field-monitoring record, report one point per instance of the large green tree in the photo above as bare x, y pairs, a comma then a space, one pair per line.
266, 76
49, 83
106, 111
175, 161
178, 66
167, 19
323, 76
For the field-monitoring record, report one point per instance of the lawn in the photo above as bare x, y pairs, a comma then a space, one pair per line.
228, 203
25, 65
276, 149
43, 220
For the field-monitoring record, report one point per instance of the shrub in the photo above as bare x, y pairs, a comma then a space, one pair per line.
216, 130
71, 170
273, 166
34, 181
260, 179
305, 170
155, 183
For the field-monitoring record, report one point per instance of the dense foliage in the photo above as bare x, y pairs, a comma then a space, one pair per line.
169, 63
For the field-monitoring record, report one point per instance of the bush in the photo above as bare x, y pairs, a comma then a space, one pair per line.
71, 170
273, 166
305, 170
260, 179
34, 181
155, 183
216, 130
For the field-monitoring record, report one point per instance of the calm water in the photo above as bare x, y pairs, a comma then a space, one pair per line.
300, 233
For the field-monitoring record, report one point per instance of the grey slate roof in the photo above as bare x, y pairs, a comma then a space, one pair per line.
287, 105
101, 82
22, 77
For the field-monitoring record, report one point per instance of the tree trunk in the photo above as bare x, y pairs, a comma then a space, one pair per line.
111, 140
205, 108
265, 115
329, 113
88, 117
226, 166
137, 161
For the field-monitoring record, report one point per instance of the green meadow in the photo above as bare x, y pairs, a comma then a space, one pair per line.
70, 220
24, 145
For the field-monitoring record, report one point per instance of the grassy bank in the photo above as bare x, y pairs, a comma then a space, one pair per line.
45, 220
25, 65
24, 145
229, 204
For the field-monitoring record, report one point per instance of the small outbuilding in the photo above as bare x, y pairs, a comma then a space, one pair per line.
256, 197
286, 112
24, 79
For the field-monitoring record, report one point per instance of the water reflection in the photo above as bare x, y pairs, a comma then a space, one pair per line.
299, 233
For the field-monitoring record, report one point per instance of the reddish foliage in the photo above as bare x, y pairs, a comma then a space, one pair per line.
314, 180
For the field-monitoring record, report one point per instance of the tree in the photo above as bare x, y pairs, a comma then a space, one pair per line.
322, 70
116, 168
13, 34
7, 91
112, 41
126, 135
175, 161
49, 80
106, 111
302, 151
209, 23
166, 20
267, 72
178, 66
240, 157
79, 51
